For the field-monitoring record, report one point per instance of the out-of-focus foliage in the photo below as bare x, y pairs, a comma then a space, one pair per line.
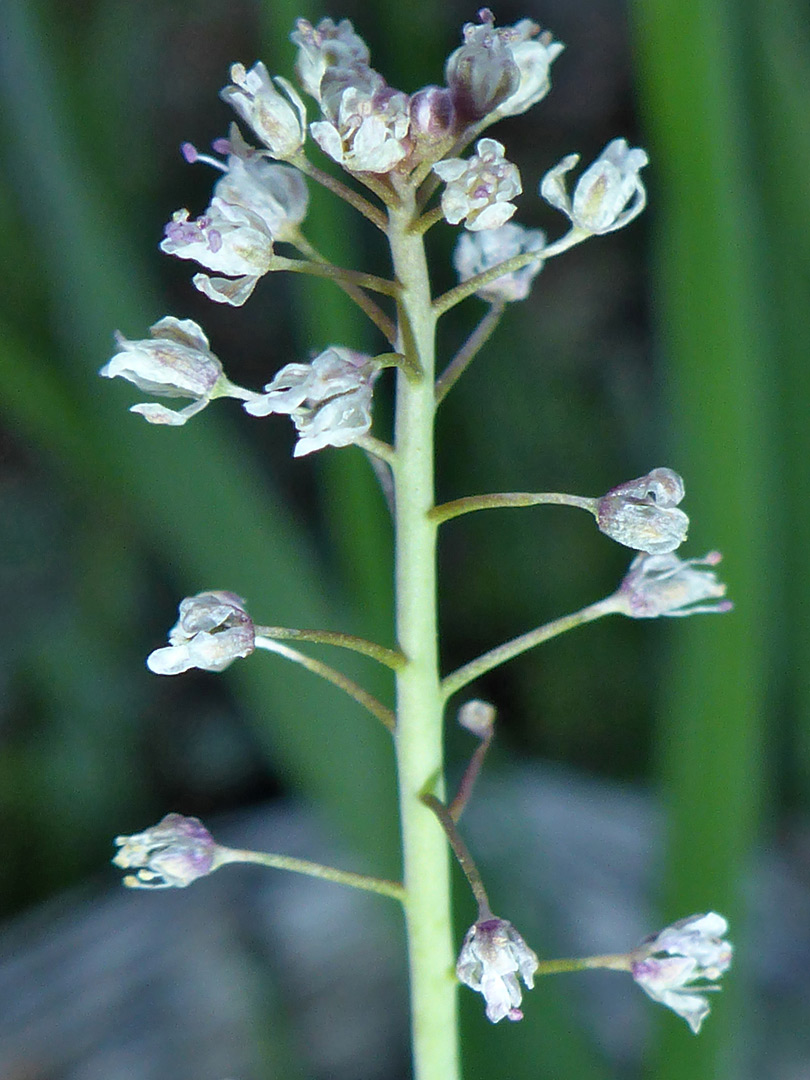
681, 341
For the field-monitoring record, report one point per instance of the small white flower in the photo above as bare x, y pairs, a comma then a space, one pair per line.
478, 189
479, 251
213, 630
608, 195
227, 238
491, 959
642, 514
175, 361
658, 585
275, 193
329, 400
534, 53
682, 963
171, 854
279, 121
367, 122
323, 46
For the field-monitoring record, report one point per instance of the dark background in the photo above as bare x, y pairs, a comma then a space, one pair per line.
681, 341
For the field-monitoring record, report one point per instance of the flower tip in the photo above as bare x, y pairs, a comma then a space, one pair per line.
189, 152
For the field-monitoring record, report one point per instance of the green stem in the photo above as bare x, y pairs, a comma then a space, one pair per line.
379, 449
391, 658
353, 198
617, 962
454, 296
462, 854
337, 678
453, 682
338, 274
419, 751
468, 352
225, 855
467, 505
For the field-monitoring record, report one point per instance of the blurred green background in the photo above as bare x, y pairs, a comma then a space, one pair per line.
680, 341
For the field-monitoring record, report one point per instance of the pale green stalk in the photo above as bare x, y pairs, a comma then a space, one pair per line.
434, 1020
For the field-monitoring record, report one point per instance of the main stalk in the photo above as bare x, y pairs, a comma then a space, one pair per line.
419, 742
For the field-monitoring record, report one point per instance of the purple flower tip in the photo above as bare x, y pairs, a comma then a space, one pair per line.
189, 152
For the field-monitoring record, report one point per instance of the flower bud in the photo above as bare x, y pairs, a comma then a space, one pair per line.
325, 46
329, 400
678, 966
279, 121
175, 361
476, 252
608, 195
642, 514
433, 122
478, 189
491, 958
482, 73
171, 854
666, 585
478, 717
213, 630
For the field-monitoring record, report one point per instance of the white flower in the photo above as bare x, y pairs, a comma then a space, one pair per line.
275, 193
491, 958
329, 400
367, 122
227, 238
175, 361
213, 630
279, 121
666, 585
323, 46
171, 854
682, 963
534, 53
608, 195
479, 188
642, 514
476, 252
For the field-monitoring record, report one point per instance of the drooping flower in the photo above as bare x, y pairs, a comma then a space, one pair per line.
324, 46
608, 195
367, 122
478, 188
174, 361
213, 630
679, 966
666, 585
279, 120
171, 854
227, 238
328, 399
642, 514
476, 252
275, 193
492, 957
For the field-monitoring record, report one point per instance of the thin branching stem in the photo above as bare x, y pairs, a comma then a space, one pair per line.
337, 187
391, 658
471, 773
454, 296
468, 351
462, 854
336, 273
459, 678
226, 855
337, 678
614, 962
379, 449
471, 503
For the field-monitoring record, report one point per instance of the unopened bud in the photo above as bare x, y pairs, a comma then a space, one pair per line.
482, 73
642, 514
478, 717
